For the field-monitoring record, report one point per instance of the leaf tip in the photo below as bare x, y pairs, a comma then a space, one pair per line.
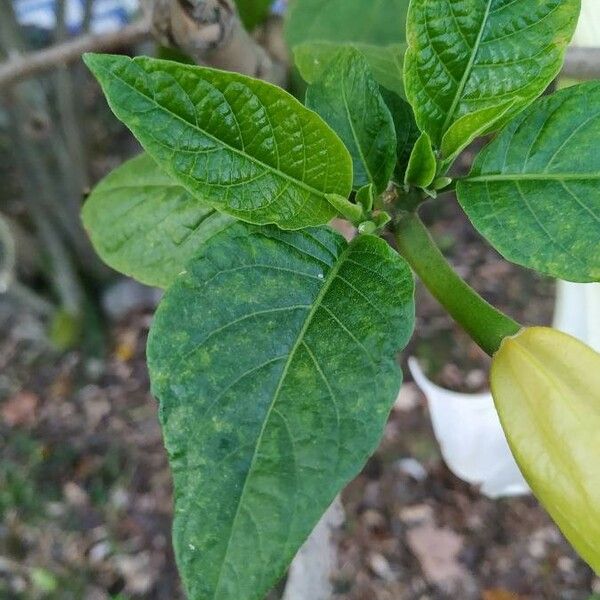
91, 60
97, 62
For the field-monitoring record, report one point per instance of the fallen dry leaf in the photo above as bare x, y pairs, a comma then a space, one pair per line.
20, 409
437, 550
126, 346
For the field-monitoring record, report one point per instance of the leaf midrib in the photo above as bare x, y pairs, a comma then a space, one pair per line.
354, 132
532, 177
468, 70
225, 145
317, 302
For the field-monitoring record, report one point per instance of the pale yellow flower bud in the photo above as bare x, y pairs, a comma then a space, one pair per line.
546, 387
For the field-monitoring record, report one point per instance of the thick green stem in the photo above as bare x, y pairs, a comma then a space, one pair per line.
485, 324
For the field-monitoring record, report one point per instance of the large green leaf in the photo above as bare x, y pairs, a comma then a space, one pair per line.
380, 22
147, 226
534, 191
253, 12
386, 62
471, 65
347, 97
407, 132
244, 146
273, 358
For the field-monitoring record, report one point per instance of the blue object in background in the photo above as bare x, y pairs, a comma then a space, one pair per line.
279, 7
107, 15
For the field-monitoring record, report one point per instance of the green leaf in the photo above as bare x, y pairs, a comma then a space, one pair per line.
380, 23
386, 62
44, 580
365, 197
174, 54
253, 12
534, 192
145, 225
469, 60
347, 97
475, 124
422, 165
273, 359
407, 132
243, 146
346, 209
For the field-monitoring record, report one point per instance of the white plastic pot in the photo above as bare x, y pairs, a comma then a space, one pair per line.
471, 439
467, 427
577, 311
587, 34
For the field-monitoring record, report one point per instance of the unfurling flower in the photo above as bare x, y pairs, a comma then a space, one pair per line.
546, 387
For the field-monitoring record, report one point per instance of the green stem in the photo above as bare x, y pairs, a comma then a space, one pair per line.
484, 323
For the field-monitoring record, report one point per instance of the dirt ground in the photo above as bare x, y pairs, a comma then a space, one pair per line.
85, 494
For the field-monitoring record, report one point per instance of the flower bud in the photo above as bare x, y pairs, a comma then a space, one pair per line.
546, 387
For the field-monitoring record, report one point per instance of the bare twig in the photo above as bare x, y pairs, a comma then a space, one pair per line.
582, 63
9, 285
38, 177
76, 170
64, 277
172, 20
44, 154
88, 12
8, 255
22, 296
211, 33
24, 66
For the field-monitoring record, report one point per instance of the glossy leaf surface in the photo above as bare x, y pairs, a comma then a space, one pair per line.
381, 22
407, 132
534, 191
273, 358
422, 164
145, 225
546, 387
246, 147
386, 62
347, 97
470, 60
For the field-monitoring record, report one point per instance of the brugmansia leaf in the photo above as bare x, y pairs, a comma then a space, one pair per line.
243, 146
422, 164
470, 126
407, 132
145, 225
273, 359
534, 191
386, 62
546, 387
473, 59
380, 23
347, 97
365, 197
